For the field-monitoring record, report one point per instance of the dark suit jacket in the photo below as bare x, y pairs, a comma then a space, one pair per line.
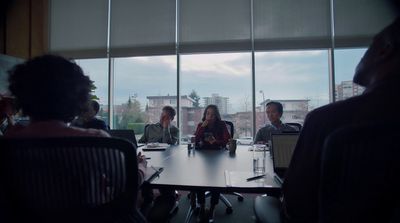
301, 185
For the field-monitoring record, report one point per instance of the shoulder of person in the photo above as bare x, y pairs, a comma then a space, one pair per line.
267, 127
14, 130
98, 132
174, 128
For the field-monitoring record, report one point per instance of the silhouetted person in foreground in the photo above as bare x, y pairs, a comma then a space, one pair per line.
52, 90
379, 72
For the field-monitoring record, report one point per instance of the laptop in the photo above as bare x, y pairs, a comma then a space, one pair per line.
283, 145
127, 134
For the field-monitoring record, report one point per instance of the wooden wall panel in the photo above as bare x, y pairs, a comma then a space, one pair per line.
26, 28
18, 29
39, 24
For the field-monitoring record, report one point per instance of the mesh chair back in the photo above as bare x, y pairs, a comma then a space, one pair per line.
77, 179
360, 174
231, 128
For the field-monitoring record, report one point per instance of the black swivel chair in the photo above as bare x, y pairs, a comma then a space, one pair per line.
360, 174
231, 130
78, 179
229, 210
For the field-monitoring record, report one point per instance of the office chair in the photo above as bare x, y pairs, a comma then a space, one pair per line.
231, 130
360, 174
192, 196
229, 210
76, 179
298, 126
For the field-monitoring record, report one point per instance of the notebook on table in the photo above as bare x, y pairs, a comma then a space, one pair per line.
282, 149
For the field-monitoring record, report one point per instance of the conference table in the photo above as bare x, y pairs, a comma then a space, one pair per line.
219, 170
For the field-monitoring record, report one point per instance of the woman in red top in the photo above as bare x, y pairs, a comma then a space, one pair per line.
212, 133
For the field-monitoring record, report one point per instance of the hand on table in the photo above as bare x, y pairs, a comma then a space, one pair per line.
141, 160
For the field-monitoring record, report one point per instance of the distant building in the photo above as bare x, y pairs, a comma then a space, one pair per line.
221, 102
347, 89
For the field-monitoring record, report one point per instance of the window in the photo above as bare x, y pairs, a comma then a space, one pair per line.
297, 79
97, 70
143, 86
223, 79
346, 61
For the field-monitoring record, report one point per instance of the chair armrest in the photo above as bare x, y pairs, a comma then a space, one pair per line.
267, 209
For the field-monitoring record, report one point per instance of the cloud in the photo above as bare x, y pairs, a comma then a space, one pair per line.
291, 54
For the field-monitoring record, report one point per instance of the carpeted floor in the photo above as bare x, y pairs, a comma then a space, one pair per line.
242, 211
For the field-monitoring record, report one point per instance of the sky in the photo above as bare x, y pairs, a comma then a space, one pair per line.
279, 75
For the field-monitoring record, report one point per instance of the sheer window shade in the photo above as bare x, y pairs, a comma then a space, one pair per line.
288, 24
142, 27
357, 21
78, 29
211, 26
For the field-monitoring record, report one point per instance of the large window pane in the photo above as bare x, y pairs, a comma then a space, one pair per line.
6, 63
297, 79
143, 85
346, 61
222, 79
97, 70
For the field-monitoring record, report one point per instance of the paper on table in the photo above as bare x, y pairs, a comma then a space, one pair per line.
258, 147
157, 145
239, 179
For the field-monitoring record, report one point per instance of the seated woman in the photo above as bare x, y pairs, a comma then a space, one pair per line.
51, 91
211, 133
274, 112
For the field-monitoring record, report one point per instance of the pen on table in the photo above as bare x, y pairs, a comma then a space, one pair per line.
158, 171
256, 177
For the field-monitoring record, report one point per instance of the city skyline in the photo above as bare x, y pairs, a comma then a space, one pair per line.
282, 75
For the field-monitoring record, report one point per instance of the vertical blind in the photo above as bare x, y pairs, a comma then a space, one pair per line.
214, 25
78, 29
142, 27
148, 27
288, 24
357, 21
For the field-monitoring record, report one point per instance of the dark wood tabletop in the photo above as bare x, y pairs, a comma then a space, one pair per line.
207, 169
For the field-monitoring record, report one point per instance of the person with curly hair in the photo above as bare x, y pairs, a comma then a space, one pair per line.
51, 90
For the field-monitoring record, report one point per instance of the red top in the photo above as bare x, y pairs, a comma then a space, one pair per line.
219, 131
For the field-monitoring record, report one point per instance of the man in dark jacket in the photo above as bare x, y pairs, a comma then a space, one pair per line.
379, 72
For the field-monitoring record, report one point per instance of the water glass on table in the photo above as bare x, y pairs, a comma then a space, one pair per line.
259, 158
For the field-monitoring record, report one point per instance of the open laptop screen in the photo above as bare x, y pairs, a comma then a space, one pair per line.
282, 149
127, 134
